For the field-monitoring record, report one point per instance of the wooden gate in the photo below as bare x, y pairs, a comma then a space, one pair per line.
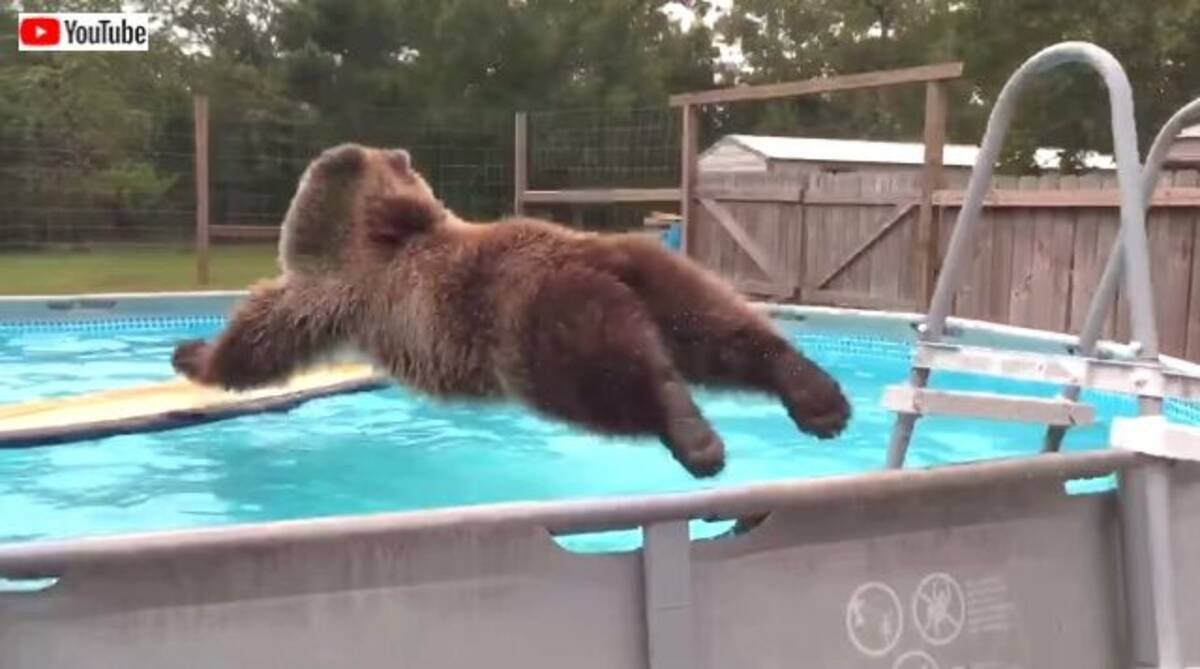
825, 262
843, 239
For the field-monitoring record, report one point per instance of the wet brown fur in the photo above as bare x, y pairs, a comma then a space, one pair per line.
601, 331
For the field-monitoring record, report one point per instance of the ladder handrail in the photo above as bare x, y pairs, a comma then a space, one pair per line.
1153, 621
1133, 243
1102, 300
1129, 173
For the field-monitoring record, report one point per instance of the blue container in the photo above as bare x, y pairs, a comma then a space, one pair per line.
672, 237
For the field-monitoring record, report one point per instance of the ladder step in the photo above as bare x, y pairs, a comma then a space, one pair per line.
923, 401
1155, 435
1131, 377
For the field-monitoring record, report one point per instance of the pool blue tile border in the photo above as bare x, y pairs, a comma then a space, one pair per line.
877, 334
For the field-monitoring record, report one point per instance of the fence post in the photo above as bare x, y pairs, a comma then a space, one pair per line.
689, 146
200, 107
931, 180
520, 162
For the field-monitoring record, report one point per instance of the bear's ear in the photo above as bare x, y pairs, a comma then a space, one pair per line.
342, 160
392, 219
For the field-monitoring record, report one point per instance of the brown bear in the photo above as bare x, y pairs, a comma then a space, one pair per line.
601, 331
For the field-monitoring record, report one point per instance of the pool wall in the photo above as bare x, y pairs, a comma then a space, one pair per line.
101, 307
981, 565
989, 564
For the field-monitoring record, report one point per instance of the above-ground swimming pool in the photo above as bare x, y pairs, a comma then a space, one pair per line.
391, 450
987, 564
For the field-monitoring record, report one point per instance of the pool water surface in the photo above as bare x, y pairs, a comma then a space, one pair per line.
390, 450
69, 359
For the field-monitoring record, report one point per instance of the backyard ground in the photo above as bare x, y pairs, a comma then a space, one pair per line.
102, 270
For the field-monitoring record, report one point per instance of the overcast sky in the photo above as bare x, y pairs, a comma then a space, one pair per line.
679, 11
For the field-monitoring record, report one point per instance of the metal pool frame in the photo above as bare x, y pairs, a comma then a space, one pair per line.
989, 565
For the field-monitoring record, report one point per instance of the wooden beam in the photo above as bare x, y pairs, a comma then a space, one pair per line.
600, 195
774, 291
889, 224
520, 162
931, 180
850, 299
817, 197
910, 75
244, 232
689, 155
200, 114
1104, 199
765, 192
794, 193
743, 238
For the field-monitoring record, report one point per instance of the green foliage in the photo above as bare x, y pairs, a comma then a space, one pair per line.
1154, 41
133, 185
113, 132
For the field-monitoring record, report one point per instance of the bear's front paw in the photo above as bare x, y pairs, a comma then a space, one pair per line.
824, 413
695, 445
189, 359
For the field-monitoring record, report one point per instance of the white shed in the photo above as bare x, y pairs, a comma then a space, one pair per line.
801, 155
1185, 152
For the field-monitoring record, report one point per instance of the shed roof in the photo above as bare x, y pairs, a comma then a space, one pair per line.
1191, 131
887, 153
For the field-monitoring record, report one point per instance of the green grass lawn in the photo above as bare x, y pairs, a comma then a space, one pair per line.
108, 270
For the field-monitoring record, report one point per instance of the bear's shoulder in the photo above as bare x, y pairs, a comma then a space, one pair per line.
525, 229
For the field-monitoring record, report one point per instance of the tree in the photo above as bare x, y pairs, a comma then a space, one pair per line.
789, 40
1068, 108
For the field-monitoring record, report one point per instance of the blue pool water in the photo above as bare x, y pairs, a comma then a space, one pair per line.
56, 360
390, 450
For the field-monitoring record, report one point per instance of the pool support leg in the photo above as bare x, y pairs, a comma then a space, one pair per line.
1145, 511
667, 569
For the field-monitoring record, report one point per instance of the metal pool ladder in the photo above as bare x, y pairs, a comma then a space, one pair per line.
1146, 377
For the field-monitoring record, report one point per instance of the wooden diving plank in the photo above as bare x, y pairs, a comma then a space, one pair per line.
165, 405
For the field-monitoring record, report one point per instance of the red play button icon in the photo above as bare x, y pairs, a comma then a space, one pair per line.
40, 31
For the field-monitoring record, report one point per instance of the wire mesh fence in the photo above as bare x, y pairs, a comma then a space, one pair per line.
256, 165
65, 191
83, 191
604, 148
59, 192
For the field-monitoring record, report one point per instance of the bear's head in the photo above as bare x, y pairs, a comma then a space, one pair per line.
351, 195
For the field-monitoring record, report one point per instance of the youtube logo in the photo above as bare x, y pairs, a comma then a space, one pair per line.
40, 31
83, 31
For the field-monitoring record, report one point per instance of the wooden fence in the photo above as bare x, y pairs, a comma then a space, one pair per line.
934, 78
850, 240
